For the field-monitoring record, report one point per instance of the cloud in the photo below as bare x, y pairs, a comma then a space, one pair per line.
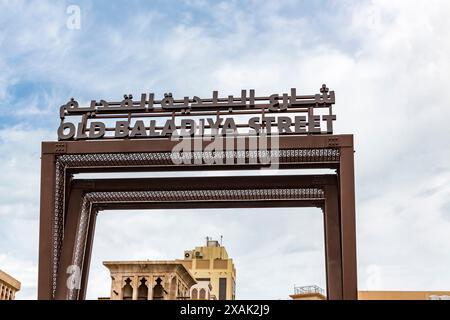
386, 60
25, 271
19, 205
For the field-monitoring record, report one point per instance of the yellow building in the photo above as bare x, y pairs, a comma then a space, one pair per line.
317, 293
211, 263
8, 286
202, 291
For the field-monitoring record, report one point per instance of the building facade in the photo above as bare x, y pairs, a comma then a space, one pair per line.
403, 295
317, 293
211, 263
202, 291
149, 280
8, 286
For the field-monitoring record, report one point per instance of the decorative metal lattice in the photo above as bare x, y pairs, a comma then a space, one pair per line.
58, 220
167, 158
207, 195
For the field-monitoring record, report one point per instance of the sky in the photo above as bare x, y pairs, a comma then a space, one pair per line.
387, 61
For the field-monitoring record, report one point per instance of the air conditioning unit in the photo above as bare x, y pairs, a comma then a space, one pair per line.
198, 254
188, 255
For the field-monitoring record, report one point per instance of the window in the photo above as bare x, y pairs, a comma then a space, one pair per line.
143, 290
222, 288
127, 290
158, 290
194, 294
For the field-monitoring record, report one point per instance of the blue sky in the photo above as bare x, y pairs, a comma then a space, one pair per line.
133, 40
387, 61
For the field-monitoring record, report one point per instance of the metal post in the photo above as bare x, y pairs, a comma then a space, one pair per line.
45, 281
88, 254
332, 226
348, 223
70, 230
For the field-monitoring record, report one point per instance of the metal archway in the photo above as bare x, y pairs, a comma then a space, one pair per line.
64, 200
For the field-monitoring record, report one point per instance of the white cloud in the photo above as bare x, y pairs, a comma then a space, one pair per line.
19, 205
24, 270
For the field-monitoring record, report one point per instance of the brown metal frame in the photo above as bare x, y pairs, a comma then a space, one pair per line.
63, 198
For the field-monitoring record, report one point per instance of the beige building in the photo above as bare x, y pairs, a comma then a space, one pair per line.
149, 280
317, 293
403, 295
212, 264
8, 286
202, 291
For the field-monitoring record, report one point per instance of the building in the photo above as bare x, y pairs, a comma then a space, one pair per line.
8, 286
149, 280
403, 295
317, 293
202, 291
308, 293
212, 264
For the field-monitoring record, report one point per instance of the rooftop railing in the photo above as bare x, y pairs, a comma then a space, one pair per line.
309, 290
